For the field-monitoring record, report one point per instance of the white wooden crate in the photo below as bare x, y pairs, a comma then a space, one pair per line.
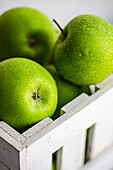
33, 149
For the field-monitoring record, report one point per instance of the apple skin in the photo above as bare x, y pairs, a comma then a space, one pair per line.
53, 166
85, 55
66, 90
20, 78
28, 33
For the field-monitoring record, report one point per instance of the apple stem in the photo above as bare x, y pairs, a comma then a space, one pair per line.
32, 42
36, 96
59, 27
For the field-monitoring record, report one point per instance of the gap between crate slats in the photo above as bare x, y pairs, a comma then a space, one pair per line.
103, 135
71, 155
102, 162
52, 138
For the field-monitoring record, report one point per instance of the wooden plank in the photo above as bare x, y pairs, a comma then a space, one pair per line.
11, 148
43, 143
40, 125
51, 138
103, 126
43, 165
9, 156
23, 160
10, 140
74, 103
12, 132
105, 82
16, 139
103, 134
103, 161
72, 153
3, 167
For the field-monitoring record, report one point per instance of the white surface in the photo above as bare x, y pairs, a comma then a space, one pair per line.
44, 165
64, 10
103, 135
12, 143
38, 146
72, 153
48, 140
102, 162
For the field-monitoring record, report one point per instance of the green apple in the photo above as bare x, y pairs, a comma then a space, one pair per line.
28, 33
28, 93
66, 90
83, 53
53, 166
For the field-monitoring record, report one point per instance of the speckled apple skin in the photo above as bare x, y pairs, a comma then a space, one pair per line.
18, 26
85, 55
19, 79
67, 91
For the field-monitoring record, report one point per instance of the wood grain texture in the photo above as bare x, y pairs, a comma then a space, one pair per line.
3, 167
9, 156
105, 82
43, 165
31, 131
74, 103
34, 147
72, 153
101, 162
12, 149
57, 133
103, 134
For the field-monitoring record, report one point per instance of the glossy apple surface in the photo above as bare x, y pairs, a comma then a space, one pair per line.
66, 90
28, 93
28, 33
84, 55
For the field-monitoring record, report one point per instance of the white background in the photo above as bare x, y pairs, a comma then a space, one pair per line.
64, 10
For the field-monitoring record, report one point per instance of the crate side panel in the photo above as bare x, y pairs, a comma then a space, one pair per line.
103, 134
102, 162
9, 156
72, 153
43, 165
3, 167
23, 160
11, 132
51, 138
37, 127
75, 102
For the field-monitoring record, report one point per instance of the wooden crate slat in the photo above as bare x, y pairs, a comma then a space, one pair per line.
101, 162
10, 140
72, 153
103, 134
31, 131
44, 165
108, 80
11, 144
74, 103
34, 146
50, 139
3, 167
23, 160
12, 132
9, 155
